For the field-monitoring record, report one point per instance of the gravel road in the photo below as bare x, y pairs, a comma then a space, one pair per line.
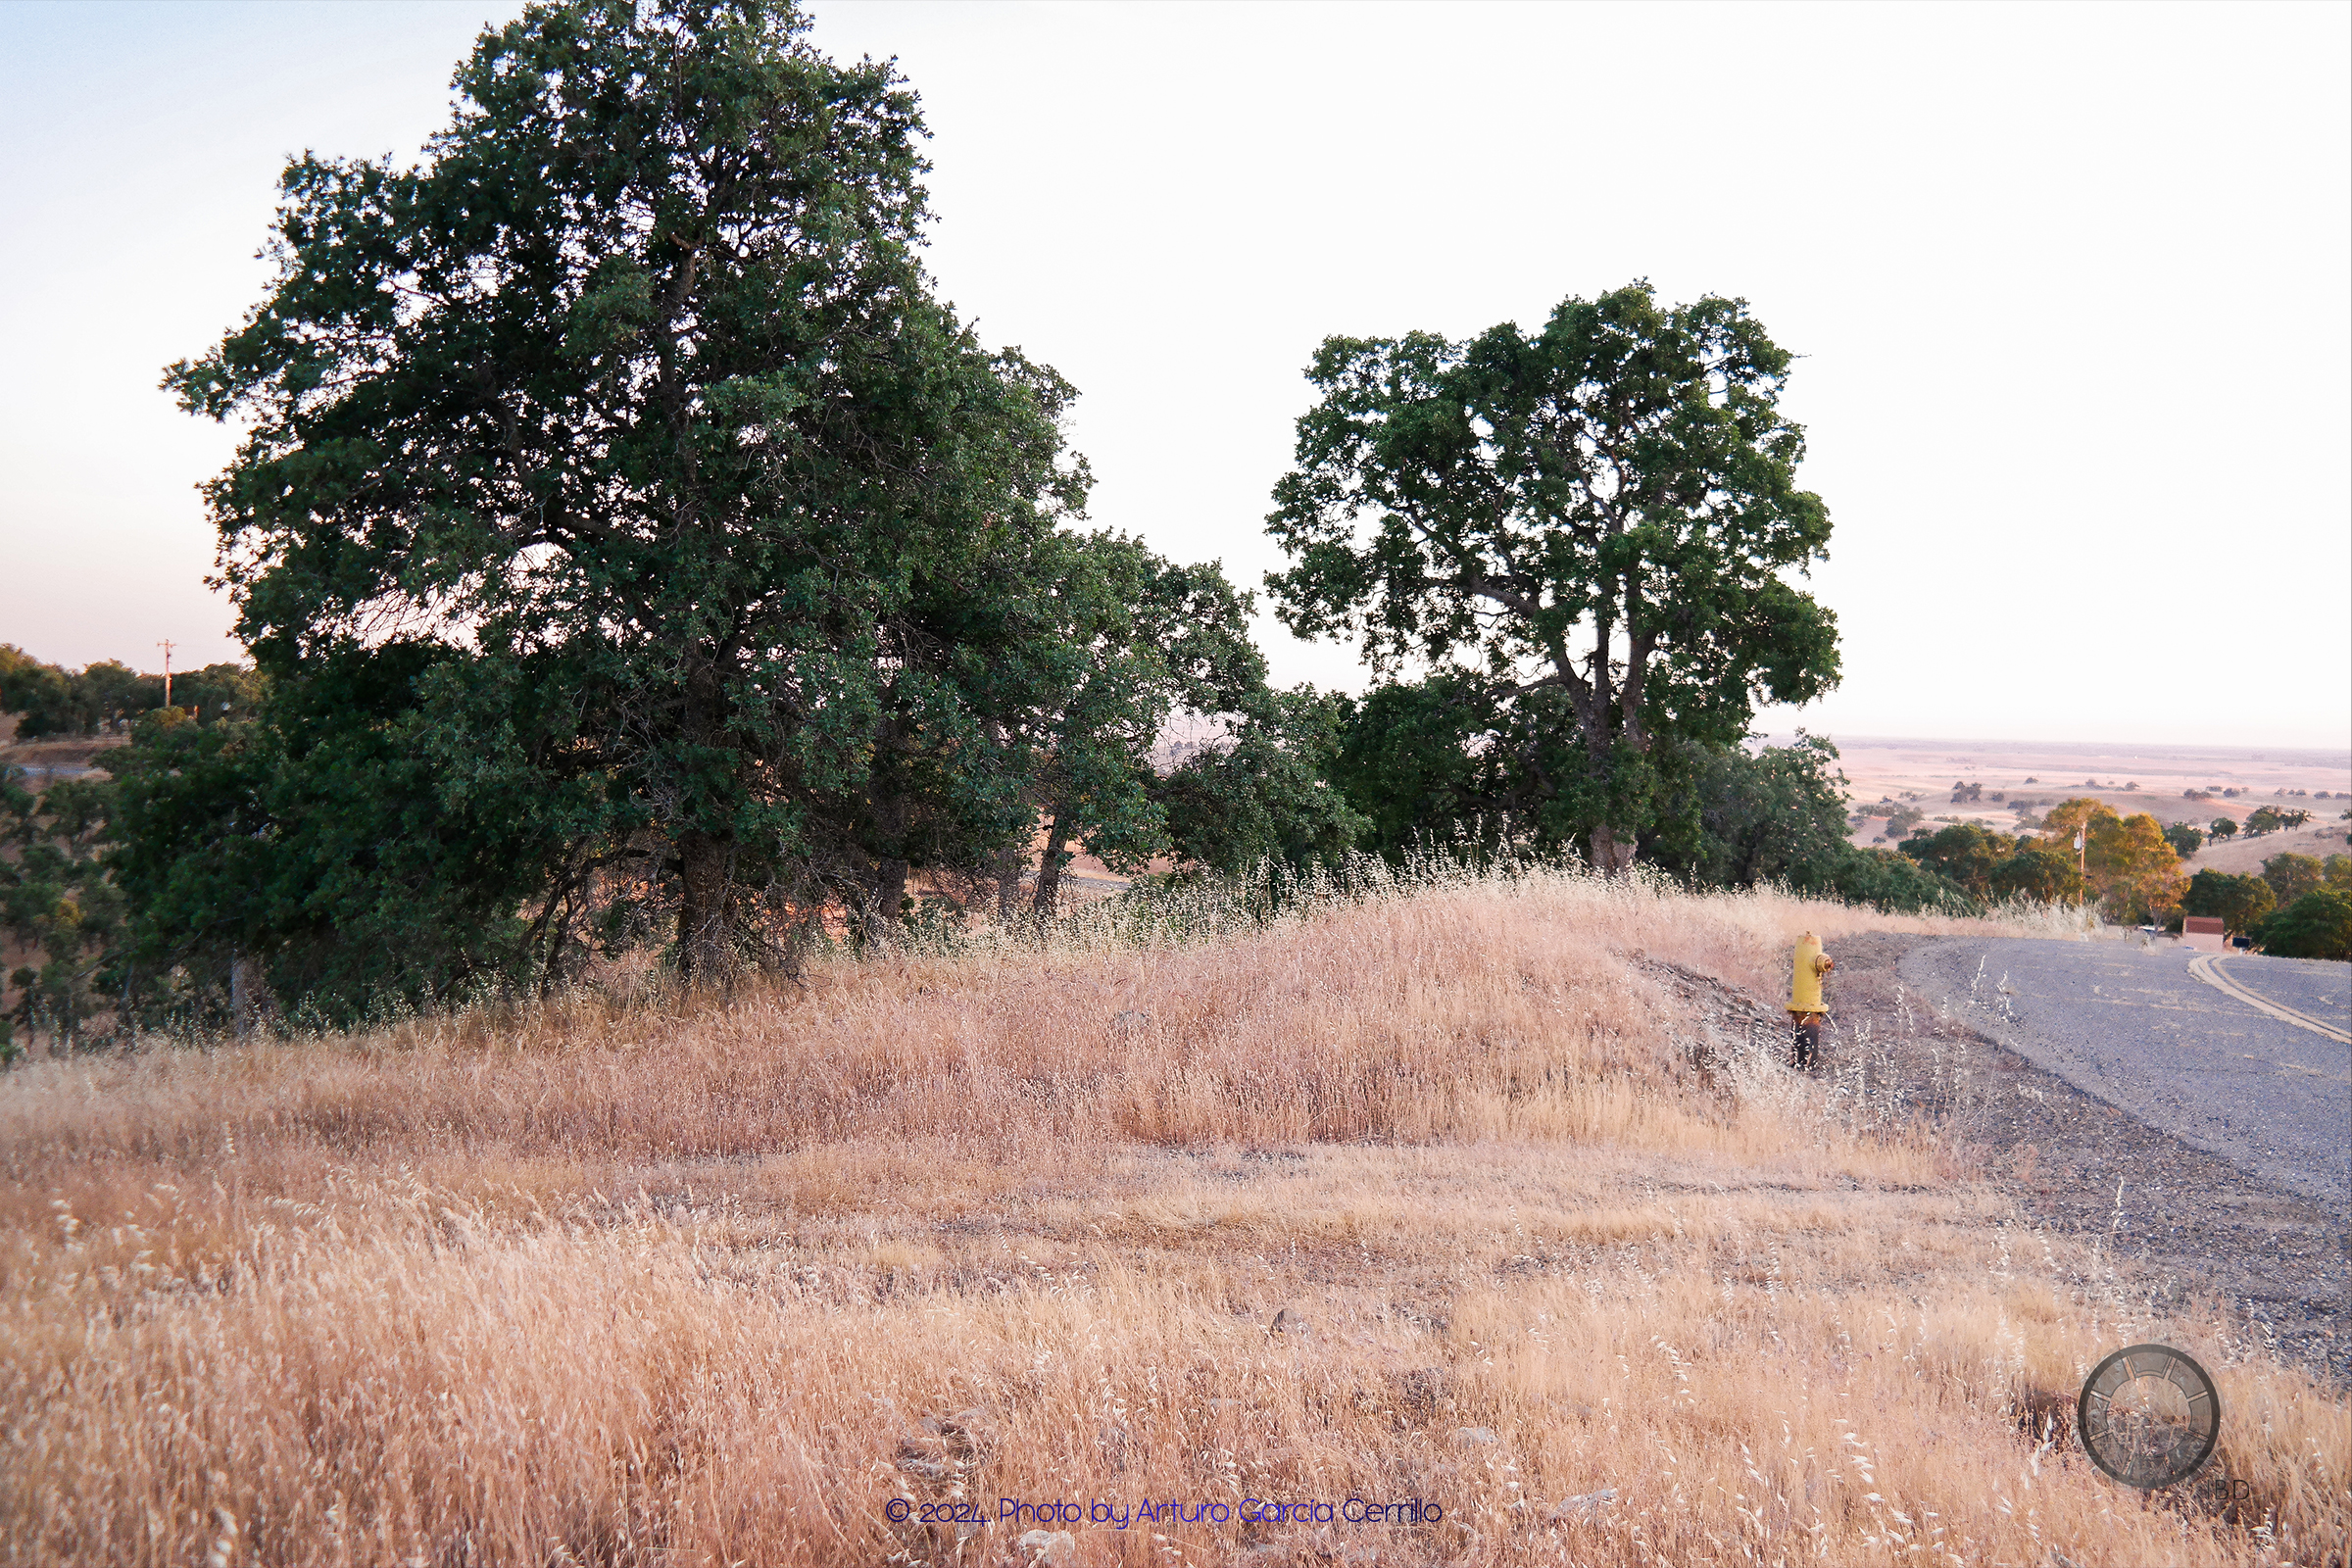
2136, 1029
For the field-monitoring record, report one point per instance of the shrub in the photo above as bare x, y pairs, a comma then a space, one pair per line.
2317, 925
2242, 902
2290, 876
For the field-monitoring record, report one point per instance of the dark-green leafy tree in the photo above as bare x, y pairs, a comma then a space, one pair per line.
630, 411
1266, 793
209, 695
2317, 925
16, 671
46, 699
1427, 761
52, 701
1598, 518
2290, 876
1732, 816
1136, 640
336, 848
2240, 902
1735, 817
1897, 882
1966, 852
2042, 876
58, 904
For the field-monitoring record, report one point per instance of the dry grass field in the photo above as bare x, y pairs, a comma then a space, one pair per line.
1878, 768
2240, 855
1449, 1198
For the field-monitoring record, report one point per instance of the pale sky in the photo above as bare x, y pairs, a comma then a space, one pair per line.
2071, 287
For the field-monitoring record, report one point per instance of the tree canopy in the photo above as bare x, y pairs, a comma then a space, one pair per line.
1138, 640
1267, 794
625, 424
2240, 903
635, 551
1593, 520
2034, 872
2317, 925
58, 904
50, 699
2127, 861
1732, 816
2290, 876
1967, 853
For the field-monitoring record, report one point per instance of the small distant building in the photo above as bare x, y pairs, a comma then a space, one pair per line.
2205, 933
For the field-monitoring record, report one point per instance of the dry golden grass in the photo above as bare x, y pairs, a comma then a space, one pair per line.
718, 1283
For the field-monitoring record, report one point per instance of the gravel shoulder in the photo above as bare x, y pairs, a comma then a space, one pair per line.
2167, 1170
2134, 1028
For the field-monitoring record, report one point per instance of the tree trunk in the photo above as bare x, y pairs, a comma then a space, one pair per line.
703, 945
1050, 864
1007, 862
1611, 855
886, 874
886, 891
1008, 883
240, 995
706, 860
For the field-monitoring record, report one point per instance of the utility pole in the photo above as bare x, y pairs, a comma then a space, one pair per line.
165, 645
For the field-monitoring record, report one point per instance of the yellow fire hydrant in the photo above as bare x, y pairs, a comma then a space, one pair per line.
1806, 1010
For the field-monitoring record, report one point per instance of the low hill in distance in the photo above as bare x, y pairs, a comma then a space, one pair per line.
1921, 772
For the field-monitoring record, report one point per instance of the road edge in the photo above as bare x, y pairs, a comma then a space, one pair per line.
1931, 968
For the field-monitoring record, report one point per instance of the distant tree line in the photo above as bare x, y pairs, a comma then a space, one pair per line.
2131, 867
51, 701
2271, 819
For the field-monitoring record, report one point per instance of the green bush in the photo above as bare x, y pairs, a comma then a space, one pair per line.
2317, 925
2047, 877
2242, 902
1889, 881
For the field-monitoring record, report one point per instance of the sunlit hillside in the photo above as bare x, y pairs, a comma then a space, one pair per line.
1470, 1197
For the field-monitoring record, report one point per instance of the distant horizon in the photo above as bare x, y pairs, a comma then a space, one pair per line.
2305, 753
2157, 750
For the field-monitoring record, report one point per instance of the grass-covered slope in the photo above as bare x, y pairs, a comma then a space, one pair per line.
1454, 1193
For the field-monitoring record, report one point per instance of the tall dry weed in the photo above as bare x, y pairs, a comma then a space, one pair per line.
1437, 1193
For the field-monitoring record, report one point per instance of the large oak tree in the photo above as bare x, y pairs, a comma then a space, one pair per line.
629, 415
1596, 521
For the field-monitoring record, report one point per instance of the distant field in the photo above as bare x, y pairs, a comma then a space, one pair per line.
2317, 840
1880, 768
1469, 1197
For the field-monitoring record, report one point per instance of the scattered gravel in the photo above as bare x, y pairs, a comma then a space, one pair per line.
2174, 1222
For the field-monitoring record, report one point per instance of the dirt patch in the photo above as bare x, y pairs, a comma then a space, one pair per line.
67, 757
